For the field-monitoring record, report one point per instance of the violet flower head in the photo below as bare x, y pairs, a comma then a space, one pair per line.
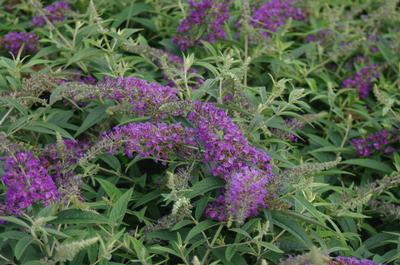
27, 182
157, 140
14, 41
144, 97
246, 193
225, 147
274, 14
54, 13
362, 80
382, 141
204, 21
352, 261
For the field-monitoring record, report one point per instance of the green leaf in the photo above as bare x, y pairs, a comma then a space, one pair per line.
199, 228
47, 128
119, 208
95, 116
270, 246
205, 185
14, 220
369, 163
22, 244
292, 227
75, 216
112, 191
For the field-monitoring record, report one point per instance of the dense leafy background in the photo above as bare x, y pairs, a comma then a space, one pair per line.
281, 77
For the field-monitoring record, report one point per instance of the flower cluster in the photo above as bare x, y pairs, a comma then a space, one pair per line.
245, 193
351, 261
27, 182
221, 143
381, 141
54, 13
232, 158
60, 159
205, 21
225, 146
157, 140
274, 14
362, 80
137, 95
13, 42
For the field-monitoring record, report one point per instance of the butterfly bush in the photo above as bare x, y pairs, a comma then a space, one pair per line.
27, 182
223, 145
362, 80
54, 13
14, 41
382, 141
204, 21
274, 14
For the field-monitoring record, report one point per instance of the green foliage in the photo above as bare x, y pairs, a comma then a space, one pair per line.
136, 211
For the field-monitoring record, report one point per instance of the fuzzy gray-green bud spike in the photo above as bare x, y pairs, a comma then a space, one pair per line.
68, 251
314, 257
289, 175
177, 108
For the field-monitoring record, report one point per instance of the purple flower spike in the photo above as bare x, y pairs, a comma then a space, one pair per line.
14, 41
381, 141
27, 183
274, 14
362, 80
54, 13
246, 193
205, 21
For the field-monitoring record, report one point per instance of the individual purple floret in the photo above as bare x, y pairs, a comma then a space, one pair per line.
352, 261
362, 80
27, 182
381, 141
54, 13
204, 21
14, 41
274, 14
